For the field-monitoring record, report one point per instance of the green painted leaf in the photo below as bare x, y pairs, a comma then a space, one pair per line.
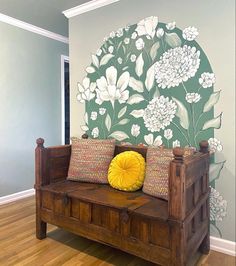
182, 114
139, 65
86, 118
122, 112
136, 98
119, 135
124, 49
84, 127
135, 84
90, 69
173, 40
150, 78
137, 113
213, 123
95, 61
119, 45
156, 93
213, 99
215, 231
124, 121
153, 51
215, 170
105, 59
108, 122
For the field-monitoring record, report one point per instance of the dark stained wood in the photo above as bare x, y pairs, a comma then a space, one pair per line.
164, 232
140, 149
18, 245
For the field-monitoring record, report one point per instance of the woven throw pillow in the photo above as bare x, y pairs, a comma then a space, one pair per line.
90, 160
127, 171
157, 171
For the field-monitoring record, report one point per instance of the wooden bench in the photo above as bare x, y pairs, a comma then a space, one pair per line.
164, 232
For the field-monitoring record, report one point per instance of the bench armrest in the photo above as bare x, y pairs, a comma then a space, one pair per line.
51, 164
188, 182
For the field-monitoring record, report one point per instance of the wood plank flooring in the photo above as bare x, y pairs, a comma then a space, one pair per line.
19, 246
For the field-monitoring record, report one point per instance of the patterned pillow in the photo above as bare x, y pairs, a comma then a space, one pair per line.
90, 160
157, 171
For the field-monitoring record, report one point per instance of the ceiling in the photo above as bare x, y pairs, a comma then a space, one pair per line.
46, 14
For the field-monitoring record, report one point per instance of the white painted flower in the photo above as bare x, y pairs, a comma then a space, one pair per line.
134, 35
176, 65
127, 40
119, 60
214, 145
112, 34
149, 139
176, 143
127, 27
190, 33
105, 39
193, 97
111, 49
119, 32
135, 130
86, 90
218, 206
94, 116
171, 25
109, 89
99, 52
168, 134
133, 58
139, 44
102, 111
159, 113
147, 26
160, 33
95, 132
207, 79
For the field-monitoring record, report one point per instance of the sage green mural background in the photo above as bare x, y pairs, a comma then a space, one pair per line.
84, 40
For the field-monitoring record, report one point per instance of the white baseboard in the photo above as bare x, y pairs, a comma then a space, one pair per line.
223, 246
17, 196
217, 244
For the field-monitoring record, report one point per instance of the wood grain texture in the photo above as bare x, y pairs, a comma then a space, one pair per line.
19, 246
127, 219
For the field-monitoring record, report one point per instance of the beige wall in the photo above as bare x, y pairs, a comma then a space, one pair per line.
215, 21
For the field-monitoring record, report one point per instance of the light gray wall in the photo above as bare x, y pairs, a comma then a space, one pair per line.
44, 13
215, 21
29, 102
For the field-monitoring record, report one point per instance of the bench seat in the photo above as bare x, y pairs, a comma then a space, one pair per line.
104, 195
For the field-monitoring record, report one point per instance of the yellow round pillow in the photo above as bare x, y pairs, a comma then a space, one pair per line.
126, 171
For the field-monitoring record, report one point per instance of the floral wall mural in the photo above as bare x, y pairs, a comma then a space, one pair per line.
152, 84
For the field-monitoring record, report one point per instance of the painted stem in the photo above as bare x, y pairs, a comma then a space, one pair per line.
184, 88
193, 121
199, 89
186, 138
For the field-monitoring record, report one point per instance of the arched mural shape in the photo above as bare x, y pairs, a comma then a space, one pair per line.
151, 83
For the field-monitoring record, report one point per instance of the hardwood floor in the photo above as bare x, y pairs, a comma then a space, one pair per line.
18, 245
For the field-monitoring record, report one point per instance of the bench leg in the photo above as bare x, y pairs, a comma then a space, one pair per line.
41, 229
205, 245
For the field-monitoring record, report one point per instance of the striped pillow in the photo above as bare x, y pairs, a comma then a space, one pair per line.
157, 170
90, 160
